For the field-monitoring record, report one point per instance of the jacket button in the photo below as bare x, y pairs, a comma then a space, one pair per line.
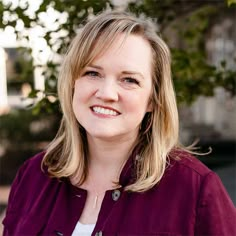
98, 233
116, 194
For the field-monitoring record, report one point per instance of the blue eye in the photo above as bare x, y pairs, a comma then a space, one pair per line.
91, 73
130, 80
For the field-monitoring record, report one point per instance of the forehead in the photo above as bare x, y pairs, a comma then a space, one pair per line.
129, 50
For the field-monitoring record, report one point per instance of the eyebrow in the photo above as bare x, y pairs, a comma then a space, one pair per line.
123, 72
96, 67
133, 73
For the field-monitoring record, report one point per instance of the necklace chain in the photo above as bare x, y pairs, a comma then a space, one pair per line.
97, 197
95, 202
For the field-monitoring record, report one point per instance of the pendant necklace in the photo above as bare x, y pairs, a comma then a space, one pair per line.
97, 195
95, 202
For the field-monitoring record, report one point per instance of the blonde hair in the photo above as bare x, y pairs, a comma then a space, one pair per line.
66, 154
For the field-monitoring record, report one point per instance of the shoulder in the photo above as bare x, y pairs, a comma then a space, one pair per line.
30, 173
31, 177
199, 189
34, 161
187, 175
32, 166
180, 159
215, 211
186, 172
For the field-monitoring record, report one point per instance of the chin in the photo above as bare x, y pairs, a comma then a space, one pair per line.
102, 134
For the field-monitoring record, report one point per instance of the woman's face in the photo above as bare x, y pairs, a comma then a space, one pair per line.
112, 95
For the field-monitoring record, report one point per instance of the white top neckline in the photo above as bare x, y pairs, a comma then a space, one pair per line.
83, 229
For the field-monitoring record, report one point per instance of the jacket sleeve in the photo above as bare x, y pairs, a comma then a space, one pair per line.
216, 213
12, 199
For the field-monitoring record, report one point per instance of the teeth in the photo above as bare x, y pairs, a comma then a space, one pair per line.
104, 111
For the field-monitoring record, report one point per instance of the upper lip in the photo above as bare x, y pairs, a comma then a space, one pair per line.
106, 107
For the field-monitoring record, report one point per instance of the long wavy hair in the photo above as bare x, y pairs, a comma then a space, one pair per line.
66, 155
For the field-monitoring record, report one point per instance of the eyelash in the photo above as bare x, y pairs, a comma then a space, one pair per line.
128, 80
91, 73
131, 80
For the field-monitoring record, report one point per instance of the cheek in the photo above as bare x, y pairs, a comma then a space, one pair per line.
77, 100
80, 92
137, 104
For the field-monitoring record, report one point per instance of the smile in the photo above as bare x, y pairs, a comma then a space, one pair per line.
104, 111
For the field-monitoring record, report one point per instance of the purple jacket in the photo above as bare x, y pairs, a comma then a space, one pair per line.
189, 200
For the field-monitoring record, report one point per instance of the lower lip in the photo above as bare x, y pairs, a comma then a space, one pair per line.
100, 115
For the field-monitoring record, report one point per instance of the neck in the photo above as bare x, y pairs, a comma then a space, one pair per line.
108, 157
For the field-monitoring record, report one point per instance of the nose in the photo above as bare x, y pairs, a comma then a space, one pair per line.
107, 91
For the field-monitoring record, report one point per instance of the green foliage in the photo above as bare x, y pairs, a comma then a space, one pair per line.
22, 135
76, 12
22, 66
226, 78
192, 74
24, 127
190, 81
23, 131
231, 2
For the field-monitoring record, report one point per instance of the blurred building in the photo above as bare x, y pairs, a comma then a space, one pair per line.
214, 118
208, 118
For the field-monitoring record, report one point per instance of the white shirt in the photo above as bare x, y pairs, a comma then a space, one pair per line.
83, 229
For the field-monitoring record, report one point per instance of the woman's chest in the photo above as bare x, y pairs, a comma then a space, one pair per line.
132, 214
121, 213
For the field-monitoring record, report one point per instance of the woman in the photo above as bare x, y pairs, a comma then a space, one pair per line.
115, 166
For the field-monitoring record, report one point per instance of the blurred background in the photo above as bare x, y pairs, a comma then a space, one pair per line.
35, 34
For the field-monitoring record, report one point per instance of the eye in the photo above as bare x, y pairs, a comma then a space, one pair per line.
91, 73
130, 80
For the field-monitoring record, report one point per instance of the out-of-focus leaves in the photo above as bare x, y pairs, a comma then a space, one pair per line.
231, 3
77, 11
192, 74
45, 106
